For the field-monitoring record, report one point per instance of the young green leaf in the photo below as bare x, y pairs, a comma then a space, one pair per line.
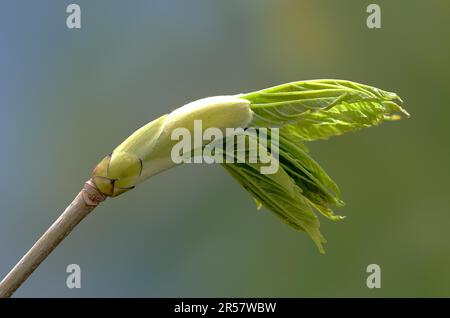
322, 108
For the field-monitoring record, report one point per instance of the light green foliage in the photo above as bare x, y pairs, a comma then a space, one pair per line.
310, 105
280, 193
307, 111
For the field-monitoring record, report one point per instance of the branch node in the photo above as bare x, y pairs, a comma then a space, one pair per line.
91, 195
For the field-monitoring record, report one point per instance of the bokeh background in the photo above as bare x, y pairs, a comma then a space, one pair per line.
68, 97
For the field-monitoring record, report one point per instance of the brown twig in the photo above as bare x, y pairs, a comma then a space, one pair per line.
88, 198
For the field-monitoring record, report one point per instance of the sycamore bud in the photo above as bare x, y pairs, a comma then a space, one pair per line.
301, 111
148, 150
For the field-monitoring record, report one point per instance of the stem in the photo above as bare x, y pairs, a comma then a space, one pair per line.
88, 198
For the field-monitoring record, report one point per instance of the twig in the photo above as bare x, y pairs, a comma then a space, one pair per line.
88, 198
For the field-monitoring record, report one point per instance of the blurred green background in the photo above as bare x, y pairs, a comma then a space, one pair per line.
68, 97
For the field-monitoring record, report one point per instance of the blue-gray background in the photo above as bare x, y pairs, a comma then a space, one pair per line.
68, 97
